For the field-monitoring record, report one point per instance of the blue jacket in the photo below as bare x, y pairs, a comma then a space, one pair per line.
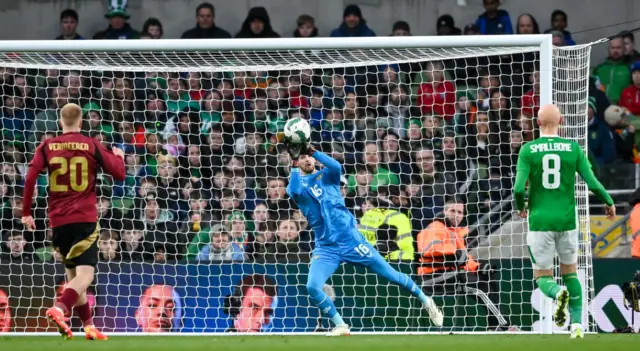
601, 142
318, 197
362, 30
499, 25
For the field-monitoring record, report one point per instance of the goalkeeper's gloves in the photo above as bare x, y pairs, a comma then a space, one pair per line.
297, 149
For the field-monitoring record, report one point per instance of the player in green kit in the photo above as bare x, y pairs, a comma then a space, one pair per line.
549, 165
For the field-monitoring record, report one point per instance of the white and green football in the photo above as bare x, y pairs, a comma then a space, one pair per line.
297, 130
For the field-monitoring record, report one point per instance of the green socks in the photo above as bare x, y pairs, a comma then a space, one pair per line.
575, 296
548, 286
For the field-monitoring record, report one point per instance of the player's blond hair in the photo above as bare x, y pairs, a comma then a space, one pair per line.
70, 114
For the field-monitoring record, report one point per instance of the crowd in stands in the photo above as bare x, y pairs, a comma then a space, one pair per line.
206, 173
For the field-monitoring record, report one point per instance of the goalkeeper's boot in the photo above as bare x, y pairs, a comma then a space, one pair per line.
92, 333
562, 301
435, 314
576, 331
57, 317
340, 330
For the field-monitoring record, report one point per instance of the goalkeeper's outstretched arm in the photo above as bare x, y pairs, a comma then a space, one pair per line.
334, 168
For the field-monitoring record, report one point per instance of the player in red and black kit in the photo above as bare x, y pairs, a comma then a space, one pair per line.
72, 161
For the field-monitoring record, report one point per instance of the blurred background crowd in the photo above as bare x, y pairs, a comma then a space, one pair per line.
206, 175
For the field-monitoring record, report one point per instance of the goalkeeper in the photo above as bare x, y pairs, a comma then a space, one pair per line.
549, 165
337, 240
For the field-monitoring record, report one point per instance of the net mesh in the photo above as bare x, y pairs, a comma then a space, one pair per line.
201, 236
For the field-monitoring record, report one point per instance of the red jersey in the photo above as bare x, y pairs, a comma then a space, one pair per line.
630, 99
530, 103
438, 98
72, 161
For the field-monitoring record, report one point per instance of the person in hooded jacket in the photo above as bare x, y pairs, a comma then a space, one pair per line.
353, 24
257, 25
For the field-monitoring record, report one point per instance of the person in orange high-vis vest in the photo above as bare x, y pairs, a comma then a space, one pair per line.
634, 224
444, 260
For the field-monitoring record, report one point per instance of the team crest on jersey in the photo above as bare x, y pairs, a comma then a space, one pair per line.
319, 177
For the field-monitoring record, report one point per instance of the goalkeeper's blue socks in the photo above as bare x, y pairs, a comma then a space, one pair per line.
548, 286
337, 319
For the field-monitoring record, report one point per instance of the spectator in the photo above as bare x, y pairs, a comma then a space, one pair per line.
471, 29
199, 215
68, 25
177, 96
559, 22
453, 159
47, 120
527, 24
306, 27
205, 24
110, 218
257, 25
437, 95
446, 26
15, 248
400, 110
287, 247
160, 227
236, 222
630, 47
600, 138
435, 184
401, 29
132, 246
494, 20
353, 25
10, 218
393, 158
221, 247
277, 200
387, 229
614, 73
481, 143
443, 249
380, 174
168, 185
15, 119
530, 101
487, 82
623, 134
630, 98
557, 38
153, 28
108, 245
118, 28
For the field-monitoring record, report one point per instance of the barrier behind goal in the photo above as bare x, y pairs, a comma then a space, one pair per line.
202, 221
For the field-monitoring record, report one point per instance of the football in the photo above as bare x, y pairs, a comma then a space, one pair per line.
297, 130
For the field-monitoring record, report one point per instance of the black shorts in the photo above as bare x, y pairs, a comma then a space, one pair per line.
77, 243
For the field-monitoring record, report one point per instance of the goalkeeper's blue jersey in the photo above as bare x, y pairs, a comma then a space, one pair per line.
318, 197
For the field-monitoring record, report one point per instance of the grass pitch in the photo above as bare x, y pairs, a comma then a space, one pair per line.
602, 342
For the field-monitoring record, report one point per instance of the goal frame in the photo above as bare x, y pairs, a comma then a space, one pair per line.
542, 41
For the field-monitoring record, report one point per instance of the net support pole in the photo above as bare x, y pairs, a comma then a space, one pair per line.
546, 97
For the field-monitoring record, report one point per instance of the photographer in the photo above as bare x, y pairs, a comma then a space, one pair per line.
447, 268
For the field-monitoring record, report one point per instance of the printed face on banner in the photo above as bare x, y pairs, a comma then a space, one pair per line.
255, 311
5, 312
157, 309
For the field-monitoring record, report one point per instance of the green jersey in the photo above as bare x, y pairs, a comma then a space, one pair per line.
549, 164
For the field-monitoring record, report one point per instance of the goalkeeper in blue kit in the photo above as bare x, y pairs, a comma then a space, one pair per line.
337, 240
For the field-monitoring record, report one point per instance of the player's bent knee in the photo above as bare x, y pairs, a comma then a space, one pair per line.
313, 288
568, 268
542, 272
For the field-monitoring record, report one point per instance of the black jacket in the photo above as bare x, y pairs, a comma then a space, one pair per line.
261, 14
206, 33
125, 32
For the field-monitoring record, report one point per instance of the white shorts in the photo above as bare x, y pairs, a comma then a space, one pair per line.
544, 245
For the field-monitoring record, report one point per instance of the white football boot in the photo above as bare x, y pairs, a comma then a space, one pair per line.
340, 330
435, 314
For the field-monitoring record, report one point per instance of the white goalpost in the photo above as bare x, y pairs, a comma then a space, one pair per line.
202, 225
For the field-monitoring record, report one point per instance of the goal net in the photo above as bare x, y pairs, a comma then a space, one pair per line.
201, 237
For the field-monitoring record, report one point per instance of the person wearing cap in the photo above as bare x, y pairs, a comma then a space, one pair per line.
221, 247
401, 29
387, 229
630, 97
600, 138
353, 24
118, 28
494, 20
446, 26
624, 133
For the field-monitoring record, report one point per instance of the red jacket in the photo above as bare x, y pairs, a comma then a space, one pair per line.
630, 99
438, 98
530, 103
